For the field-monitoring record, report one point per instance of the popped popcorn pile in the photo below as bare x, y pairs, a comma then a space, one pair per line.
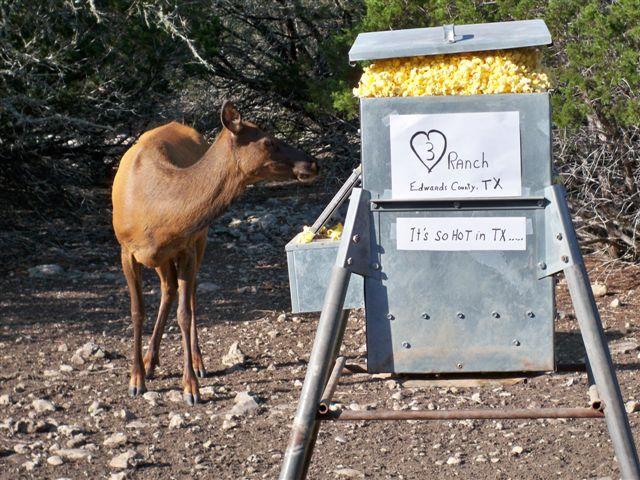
496, 71
307, 236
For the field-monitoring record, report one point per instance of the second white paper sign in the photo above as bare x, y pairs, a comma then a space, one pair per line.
462, 233
455, 155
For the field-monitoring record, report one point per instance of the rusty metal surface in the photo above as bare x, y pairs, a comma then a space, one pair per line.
473, 414
329, 390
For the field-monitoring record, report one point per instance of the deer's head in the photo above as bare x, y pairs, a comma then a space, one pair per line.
260, 155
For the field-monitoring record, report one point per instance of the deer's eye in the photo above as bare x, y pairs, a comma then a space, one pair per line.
269, 143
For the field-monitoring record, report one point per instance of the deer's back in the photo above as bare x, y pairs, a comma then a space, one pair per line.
149, 182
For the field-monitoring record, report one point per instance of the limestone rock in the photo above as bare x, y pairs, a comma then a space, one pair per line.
41, 405
234, 357
46, 270
125, 460
599, 289
244, 404
115, 440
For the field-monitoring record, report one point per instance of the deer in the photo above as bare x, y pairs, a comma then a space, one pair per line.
168, 188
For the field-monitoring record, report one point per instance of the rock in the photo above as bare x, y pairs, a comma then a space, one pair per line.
70, 430
615, 303
244, 404
267, 222
124, 414
176, 421
207, 287
340, 439
517, 450
391, 384
453, 461
5, 399
624, 346
476, 398
632, 406
228, 425
481, 459
55, 460
118, 476
116, 440
63, 347
282, 317
152, 397
348, 473
89, 351
397, 395
599, 289
234, 357
96, 408
72, 453
66, 368
125, 460
41, 405
174, 396
47, 270
136, 424
20, 448
77, 440
30, 466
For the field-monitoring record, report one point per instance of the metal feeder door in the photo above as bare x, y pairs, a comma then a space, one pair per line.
473, 311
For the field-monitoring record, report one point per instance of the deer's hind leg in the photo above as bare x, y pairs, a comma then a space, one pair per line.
196, 355
168, 287
133, 273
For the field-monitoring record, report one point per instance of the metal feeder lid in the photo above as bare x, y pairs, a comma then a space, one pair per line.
449, 39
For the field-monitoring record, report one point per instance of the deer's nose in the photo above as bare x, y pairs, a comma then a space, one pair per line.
306, 170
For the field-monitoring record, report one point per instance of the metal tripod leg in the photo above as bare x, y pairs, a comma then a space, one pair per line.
305, 423
568, 258
603, 370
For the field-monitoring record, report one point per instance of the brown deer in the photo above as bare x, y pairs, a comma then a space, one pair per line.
170, 185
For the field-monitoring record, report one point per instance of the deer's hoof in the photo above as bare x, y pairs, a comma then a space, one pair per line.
200, 372
191, 399
136, 391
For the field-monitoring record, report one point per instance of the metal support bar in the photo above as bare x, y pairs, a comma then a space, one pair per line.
598, 355
603, 370
474, 414
304, 430
594, 396
337, 200
329, 390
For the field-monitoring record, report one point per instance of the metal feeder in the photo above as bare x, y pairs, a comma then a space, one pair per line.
478, 307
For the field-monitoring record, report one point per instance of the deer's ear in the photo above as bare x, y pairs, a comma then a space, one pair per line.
230, 117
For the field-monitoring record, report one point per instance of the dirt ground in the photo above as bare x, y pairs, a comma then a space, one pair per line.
57, 408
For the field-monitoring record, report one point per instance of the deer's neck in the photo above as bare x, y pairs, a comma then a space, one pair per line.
216, 180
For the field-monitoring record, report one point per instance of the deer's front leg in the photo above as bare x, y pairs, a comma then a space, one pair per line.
133, 273
196, 355
186, 286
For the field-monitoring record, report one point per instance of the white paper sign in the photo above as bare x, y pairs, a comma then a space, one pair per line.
455, 155
460, 233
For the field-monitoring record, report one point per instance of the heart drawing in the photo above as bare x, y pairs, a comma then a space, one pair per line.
423, 147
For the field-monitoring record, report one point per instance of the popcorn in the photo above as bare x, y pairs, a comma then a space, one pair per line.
497, 71
307, 236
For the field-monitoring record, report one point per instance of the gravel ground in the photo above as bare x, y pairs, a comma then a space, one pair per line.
65, 340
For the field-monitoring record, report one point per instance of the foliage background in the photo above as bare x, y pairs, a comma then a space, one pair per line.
81, 79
